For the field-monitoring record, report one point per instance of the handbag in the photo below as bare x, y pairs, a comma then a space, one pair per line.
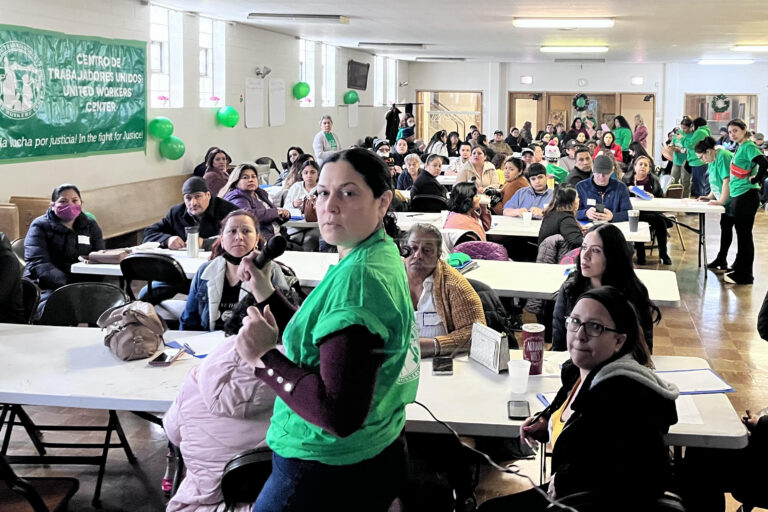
308, 208
108, 256
134, 330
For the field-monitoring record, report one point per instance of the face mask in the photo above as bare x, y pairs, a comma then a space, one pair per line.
67, 212
383, 154
235, 260
411, 123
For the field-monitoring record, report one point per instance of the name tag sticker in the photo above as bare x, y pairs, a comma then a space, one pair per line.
83, 240
591, 202
430, 318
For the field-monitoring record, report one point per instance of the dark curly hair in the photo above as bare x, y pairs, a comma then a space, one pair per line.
462, 197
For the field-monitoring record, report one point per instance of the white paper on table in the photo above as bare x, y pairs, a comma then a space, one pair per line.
202, 344
353, 114
697, 381
254, 102
687, 412
276, 102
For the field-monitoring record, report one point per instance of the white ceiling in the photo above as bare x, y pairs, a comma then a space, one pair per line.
644, 31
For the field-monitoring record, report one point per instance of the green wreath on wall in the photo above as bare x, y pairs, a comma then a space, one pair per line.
720, 103
580, 102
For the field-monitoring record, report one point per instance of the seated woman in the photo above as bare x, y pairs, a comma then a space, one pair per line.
514, 180
482, 172
426, 183
560, 218
445, 304
220, 411
468, 210
643, 178
412, 167
608, 146
294, 200
216, 170
291, 155
242, 190
216, 288
609, 418
57, 239
605, 260
11, 292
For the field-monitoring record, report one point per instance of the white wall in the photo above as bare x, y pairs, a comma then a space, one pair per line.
247, 47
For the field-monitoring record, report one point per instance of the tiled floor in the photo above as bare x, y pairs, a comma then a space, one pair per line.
715, 321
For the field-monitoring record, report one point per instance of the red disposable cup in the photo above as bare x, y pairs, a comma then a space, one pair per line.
533, 346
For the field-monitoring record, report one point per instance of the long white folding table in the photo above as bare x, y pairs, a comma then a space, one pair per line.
71, 367
666, 204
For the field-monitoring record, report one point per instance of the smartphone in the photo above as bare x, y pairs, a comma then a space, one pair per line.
166, 357
599, 207
442, 365
518, 409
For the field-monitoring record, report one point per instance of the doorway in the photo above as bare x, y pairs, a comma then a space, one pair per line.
524, 107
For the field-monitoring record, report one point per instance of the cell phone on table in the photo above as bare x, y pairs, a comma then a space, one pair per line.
518, 409
442, 365
166, 357
600, 208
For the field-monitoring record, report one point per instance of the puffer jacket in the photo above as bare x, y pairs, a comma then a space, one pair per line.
221, 410
50, 248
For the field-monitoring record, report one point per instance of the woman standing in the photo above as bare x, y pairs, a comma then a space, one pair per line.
623, 135
719, 161
526, 133
608, 146
467, 212
242, 190
748, 168
351, 360
695, 133
481, 172
326, 143
641, 131
514, 180
216, 171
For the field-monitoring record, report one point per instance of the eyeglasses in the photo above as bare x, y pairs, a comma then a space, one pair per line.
593, 329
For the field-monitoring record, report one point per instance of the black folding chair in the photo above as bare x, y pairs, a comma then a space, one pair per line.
37, 494
160, 268
81, 303
17, 246
31, 294
245, 475
428, 203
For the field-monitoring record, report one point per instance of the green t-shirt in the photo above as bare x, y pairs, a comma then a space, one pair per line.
678, 158
331, 140
743, 159
623, 137
368, 288
689, 142
560, 174
720, 170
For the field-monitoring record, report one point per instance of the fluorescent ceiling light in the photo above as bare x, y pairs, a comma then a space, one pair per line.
440, 59
750, 48
574, 49
725, 62
415, 46
563, 22
298, 18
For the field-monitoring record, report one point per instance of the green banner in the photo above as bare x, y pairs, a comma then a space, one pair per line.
64, 95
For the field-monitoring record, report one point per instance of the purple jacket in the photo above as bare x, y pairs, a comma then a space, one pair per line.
221, 410
255, 205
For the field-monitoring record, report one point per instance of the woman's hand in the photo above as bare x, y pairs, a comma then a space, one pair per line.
258, 281
532, 431
257, 336
298, 202
283, 213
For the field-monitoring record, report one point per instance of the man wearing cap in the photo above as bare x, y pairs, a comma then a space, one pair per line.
552, 154
527, 154
601, 198
532, 199
198, 209
381, 148
568, 162
583, 168
498, 145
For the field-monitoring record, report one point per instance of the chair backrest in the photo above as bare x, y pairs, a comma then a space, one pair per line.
268, 161
428, 203
31, 294
665, 180
17, 246
81, 303
244, 476
675, 191
152, 267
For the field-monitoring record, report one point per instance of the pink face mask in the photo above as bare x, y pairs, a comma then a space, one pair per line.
67, 212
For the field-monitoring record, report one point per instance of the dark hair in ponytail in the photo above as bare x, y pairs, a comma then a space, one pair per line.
741, 124
705, 145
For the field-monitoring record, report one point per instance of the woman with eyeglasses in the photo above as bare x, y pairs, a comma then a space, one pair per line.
605, 260
608, 421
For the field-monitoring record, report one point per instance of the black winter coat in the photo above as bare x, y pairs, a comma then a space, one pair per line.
178, 218
11, 295
50, 248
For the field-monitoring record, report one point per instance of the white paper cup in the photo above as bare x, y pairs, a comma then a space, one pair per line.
518, 376
527, 217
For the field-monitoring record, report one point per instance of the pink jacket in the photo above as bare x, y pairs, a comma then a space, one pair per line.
221, 411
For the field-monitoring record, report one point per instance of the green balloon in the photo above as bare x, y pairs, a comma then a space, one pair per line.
300, 90
351, 97
161, 127
228, 116
581, 102
172, 148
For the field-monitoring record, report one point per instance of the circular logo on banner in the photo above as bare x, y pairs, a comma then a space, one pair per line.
22, 80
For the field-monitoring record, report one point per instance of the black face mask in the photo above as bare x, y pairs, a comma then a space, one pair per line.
235, 260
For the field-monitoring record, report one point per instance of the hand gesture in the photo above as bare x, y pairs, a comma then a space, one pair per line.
532, 431
257, 336
258, 281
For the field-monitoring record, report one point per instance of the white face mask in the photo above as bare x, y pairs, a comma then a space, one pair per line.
411, 123
383, 154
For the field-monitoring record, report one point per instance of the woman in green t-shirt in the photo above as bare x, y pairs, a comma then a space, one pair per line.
748, 168
623, 134
351, 360
719, 160
325, 142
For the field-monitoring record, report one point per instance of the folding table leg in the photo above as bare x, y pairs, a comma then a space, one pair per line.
29, 426
113, 419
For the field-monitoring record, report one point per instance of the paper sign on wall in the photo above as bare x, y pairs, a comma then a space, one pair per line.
353, 113
276, 102
254, 103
